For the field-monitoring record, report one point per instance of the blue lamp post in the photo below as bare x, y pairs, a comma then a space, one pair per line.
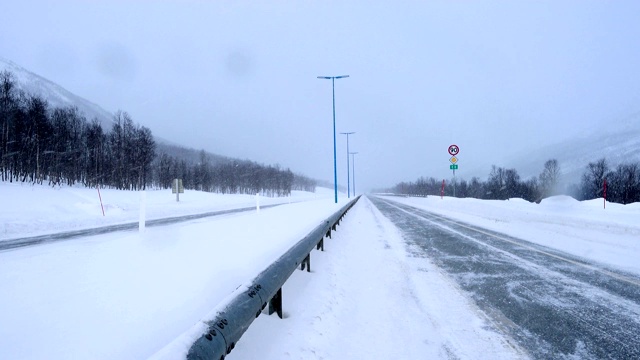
353, 155
348, 179
335, 166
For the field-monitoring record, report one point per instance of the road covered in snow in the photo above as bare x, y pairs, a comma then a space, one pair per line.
553, 303
393, 281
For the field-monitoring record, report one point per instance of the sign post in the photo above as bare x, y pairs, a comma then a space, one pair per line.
453, 151
177, 188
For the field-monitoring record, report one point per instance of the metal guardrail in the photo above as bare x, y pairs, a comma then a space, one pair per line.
229, 324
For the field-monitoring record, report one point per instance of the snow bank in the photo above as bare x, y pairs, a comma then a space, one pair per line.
608, 236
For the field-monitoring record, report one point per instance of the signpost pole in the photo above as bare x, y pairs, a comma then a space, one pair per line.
454, 182
453, 151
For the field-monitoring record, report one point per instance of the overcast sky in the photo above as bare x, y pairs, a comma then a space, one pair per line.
239, 78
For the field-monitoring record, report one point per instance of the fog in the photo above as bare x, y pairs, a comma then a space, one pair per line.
239, 78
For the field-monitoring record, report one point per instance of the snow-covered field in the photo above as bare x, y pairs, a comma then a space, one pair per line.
126, 295
132, 295
29, 210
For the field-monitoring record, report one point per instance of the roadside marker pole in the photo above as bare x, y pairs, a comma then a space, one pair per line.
100, 196
143, 211
604, 192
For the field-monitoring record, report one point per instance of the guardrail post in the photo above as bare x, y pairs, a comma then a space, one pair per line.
275, 304
320, 245
307, 262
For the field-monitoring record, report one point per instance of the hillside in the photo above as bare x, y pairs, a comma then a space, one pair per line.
618, 141
55, 94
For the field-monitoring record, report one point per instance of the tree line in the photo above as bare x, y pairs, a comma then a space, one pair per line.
40, 144
230, 176
622, 184
59, 146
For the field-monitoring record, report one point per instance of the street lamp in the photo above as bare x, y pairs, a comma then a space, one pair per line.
353, 163
335, 166
348, 181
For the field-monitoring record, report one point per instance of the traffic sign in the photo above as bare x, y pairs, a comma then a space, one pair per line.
453, 160
453, 167
454, 150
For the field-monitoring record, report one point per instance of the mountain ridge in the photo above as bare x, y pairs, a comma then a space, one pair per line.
618, 144
56, 95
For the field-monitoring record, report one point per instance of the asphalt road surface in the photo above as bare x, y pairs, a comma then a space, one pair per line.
553, 304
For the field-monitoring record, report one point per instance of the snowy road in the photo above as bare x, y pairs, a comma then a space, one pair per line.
553, 304
45, 239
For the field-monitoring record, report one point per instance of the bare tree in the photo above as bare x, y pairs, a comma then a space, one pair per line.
624, 186
476, 188
496, 184
8, 106
549, 178
593, 179
512, 184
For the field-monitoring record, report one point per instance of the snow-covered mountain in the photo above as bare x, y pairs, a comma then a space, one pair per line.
618, 141
55, 94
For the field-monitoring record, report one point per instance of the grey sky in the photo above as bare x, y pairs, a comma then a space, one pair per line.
238, 78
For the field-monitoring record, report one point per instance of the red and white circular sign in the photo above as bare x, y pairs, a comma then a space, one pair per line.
454, 150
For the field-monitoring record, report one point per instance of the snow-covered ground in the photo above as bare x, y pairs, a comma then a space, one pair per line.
125, 295
132, 295
29, 210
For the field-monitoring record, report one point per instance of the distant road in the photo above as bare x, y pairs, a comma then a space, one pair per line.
553, 304
68, 235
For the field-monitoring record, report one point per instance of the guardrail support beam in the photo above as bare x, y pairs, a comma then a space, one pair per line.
275, 304
307, 262
320, 245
